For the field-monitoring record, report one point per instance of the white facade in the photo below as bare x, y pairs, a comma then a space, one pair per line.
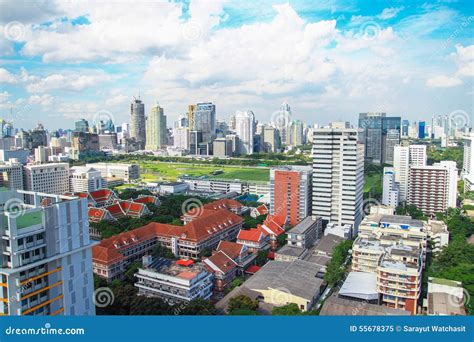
244, 127
11, 174
390, 195
84, 179
114, 170
47, 178
403, 158
468, 161
47, 262
181, 137
338, 175
417, 155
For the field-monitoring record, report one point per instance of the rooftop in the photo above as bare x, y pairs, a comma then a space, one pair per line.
360, 285
297, 277
291, 251
441, 303
335, 306
327, 243
303, 226
172, 268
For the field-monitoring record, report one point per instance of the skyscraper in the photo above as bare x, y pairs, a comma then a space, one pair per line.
421, 130
374, 128
405, 125
403, 158
138, 122
296, 133
204, 119
468, 160
47, 260
282, 121
290, 193
390, 194
155, 128
245, 129
271, 139
338, 175
82, 126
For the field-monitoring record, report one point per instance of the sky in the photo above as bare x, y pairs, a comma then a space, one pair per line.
330, 60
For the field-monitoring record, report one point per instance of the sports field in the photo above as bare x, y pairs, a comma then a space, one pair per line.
160, 171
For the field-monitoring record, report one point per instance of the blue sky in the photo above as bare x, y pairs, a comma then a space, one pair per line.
330, 60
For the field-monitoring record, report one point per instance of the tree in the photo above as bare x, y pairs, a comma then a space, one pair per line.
291, 309
336, 268
242, 302
129, 275
262, 257
162, 252
410, 210
141, 305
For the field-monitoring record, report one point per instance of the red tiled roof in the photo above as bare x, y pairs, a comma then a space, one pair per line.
147, 199
198, 230
274, 225
232, 249
254, 234
252, 269
225, 203
96, 214
221, 261
262, 210
105, 255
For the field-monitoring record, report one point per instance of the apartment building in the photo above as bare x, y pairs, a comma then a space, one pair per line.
338, 175
85, 179
11, 175
390, 192
174, 281
111, 256
403, 158
46, 256
433, 189
47, 178
290, 192
305, 233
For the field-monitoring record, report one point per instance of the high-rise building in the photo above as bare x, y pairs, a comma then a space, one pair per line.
84, 145
138, 122
190, 116
47, 260
271, 139
390, 194
47, 178
290, 193
282, 121
338, 175
222, 147
405, 126
433, 189
245, 129
204, 119
392, 139
195, 138
404, 157
468, 160
156, 129
11, 175
181, 137
296, 133
373, 134
421, 129
82, 126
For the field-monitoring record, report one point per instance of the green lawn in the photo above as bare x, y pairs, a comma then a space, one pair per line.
373, 184
160, 171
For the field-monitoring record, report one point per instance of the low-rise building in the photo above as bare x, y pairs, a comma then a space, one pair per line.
173, 188
83, 179
241, 254
175, 282
255, 238
305, 233
127, 172
222, 267
445, 297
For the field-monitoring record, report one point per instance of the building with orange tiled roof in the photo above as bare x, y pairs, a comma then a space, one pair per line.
223, 267
187, 241
255, 238
230, 204
238, 252
258, 211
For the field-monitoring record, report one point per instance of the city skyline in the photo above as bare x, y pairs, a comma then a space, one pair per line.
62, 61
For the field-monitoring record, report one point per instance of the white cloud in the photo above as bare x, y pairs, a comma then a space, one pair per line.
464, 58
67, 81
443, 81
42, 100
6, 76
391, 12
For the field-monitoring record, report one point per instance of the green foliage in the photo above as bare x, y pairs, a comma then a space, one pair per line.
162, 252
133, 193
199, 306
236, 282
291, 309
336, 268
206, 252
242, 302
129, 274
281, 240
410, 210
262, 257
244, 312
250, 222
450, 153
